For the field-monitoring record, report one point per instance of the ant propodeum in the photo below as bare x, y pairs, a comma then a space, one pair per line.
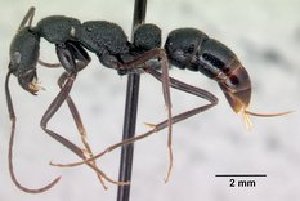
185, 48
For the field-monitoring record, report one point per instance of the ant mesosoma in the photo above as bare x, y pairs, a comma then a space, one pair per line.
186, 48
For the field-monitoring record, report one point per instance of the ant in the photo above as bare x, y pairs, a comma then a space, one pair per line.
186, 48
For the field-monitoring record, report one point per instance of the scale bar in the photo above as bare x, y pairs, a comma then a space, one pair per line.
240, 175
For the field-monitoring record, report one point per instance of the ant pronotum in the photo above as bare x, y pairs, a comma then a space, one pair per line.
185, 48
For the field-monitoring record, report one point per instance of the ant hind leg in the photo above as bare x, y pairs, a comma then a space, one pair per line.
140, 61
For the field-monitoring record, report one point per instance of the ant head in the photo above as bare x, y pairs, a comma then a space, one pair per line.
147, 37
24, 53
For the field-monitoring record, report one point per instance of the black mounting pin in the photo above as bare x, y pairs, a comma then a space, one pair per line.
131, 107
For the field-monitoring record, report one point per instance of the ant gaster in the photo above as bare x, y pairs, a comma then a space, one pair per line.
184, 48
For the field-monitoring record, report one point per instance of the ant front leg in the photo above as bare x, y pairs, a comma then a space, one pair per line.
68, 54
80, 127
52, 109
67, 58
72, 56
12, 118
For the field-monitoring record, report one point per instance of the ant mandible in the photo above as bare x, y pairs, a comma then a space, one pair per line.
184, 48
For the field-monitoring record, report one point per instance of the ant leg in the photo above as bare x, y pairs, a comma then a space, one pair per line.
80, 127
76, 116
201, 93
68, 61
140, 62
76, 51
161, 55
49, 65
72, 56
27, 18
12, 118
81, 56
67, 54
176, 84
52, 109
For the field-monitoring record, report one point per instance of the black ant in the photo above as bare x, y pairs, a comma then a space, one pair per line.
184, 48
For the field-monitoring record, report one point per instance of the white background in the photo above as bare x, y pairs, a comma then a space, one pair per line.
266, 37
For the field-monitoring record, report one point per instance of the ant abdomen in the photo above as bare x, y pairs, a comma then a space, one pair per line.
189, 48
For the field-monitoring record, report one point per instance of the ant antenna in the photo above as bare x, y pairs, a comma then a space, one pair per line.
12, 118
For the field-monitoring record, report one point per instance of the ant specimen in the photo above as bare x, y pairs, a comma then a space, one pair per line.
184, 48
